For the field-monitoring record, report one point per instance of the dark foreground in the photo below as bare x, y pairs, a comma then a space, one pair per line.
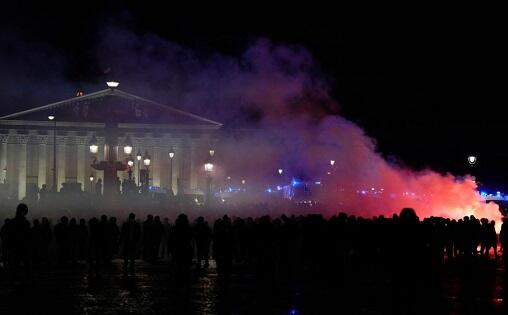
476, 286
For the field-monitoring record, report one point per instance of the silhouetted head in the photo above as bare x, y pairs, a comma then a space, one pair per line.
408, 216
157, 219
82, 221
112, 220
21, 210
64, 220
149, 217
36, 222
181, 220
73, 221
132, 216
200, 220
104, 218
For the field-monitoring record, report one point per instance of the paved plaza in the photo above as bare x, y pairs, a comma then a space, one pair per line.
464, 288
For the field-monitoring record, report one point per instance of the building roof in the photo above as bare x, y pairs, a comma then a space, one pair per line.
112, 105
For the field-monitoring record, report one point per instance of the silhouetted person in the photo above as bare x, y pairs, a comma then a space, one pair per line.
5, 239
82, 237
94, 246
105, 242
113, 238
18, 242
148, 238
158, 231
36, 241
182, 250
203, 237
164, 250
62, 238
46, 239
129, 237
223, 245
503, 239
73, 240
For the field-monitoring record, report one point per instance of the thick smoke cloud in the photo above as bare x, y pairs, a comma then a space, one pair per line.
275, 104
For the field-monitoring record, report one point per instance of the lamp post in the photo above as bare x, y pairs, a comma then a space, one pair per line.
127, 149
91, 182
472, 160
171, 156
146, 161
208, 171
52, 118
130, 164
138, 158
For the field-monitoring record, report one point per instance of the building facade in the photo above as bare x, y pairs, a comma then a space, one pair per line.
31, 143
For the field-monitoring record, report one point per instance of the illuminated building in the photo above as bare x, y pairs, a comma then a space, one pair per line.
84, 124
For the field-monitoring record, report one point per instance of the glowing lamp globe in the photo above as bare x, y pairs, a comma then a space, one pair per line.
243, 181
280, 171
471, 159
138, 156
171, 154
127, 149
332, 162
91, 178
51, 117
208, 167
212, 152
130, 163
112, 84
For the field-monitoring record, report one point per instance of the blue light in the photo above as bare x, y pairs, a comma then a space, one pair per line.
269, 190
279, 188
295, 182
293, 311
498, 193
317, 183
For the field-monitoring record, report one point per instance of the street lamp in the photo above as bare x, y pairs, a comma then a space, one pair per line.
146, 162
171, 156
52, 118
208, 171
127, 149
91, 182
280, 171
332, 162
212, 152
138, 158
208, 167
130, 164
471, 159
94, 147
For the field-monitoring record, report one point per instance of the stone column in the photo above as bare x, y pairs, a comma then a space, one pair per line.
60, 161
41, 178
156, 169
82, 177
194, 169
22, 167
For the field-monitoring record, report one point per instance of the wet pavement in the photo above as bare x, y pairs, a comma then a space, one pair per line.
476, 287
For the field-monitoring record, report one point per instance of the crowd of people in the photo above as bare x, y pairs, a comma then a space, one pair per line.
281, 247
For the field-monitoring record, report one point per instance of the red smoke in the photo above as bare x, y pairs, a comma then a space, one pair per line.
279, 99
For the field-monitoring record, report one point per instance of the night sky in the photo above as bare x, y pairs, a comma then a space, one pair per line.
429, 87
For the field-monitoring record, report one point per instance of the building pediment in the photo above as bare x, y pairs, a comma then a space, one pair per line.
112, 105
